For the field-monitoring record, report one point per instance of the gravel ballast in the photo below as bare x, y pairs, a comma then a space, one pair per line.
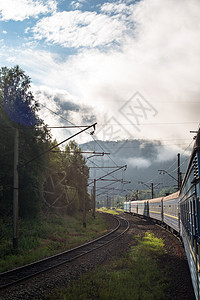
44, 284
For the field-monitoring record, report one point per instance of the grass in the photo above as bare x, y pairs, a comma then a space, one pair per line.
113, 211
49, 234
136, 276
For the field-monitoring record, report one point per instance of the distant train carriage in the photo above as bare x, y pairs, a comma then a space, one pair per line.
141, 207
127, 206
134, 207
171, 211
155, 209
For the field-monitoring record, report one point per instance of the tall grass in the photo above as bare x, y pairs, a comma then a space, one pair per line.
136, 276
48, 234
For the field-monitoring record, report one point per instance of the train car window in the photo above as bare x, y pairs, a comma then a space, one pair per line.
191, 224
188, 218
195, 222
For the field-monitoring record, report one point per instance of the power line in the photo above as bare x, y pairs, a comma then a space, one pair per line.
153, 124
102, 170
181, 154
74, 124
70, 123
173, 163
148, 146
103, 150
44, 152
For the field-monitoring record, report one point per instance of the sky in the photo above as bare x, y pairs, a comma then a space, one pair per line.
131, 66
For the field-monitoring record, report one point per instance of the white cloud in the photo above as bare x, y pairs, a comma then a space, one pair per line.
167, 153
11, 59
4, 32
139, 162
24, 9
59, 108
117, 8
77, 4
160, 60
79, 29
159, 57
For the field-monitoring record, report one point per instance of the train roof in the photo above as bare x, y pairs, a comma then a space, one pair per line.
154, 200
171, 196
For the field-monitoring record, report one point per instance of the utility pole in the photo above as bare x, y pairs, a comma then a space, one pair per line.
152, 188
15, 189
92, 190
94, 198
152, 194
84, 204
179, 172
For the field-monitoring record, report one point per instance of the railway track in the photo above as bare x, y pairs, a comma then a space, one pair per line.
17, 275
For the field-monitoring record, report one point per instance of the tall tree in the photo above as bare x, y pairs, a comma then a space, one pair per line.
18, 110
77, 173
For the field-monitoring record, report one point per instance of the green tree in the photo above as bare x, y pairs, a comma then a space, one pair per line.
19, 110
65, 186
77, 174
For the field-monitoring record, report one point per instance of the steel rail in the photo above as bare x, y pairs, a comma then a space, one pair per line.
19, 274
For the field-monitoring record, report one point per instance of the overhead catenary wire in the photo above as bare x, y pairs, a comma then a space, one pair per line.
103, 150
75, 125
181, 154
175, 161
153, 124
103, 170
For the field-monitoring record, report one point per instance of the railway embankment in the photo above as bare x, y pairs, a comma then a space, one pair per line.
47, 235
168, 276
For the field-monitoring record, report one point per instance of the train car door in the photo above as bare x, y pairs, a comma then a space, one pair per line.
162, 211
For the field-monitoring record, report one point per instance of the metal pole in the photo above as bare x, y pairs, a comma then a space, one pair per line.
15, 189
179, 173
152, 191
94, 198
84, 205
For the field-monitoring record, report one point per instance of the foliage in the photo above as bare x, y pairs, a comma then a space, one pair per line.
46, 235
166, 191
77, 174
136, 276
66, 183
18, 110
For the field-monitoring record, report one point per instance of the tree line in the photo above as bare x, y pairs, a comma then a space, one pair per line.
58, 178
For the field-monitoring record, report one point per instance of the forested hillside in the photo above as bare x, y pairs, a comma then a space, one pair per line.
143, 158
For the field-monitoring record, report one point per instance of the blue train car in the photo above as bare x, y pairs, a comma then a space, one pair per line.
134, 207
189, 215
142, 208
170, 214
127, 206
155, 209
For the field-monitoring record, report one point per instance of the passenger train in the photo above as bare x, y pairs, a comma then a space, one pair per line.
180, 212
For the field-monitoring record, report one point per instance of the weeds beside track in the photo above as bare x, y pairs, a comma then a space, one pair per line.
134, 276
